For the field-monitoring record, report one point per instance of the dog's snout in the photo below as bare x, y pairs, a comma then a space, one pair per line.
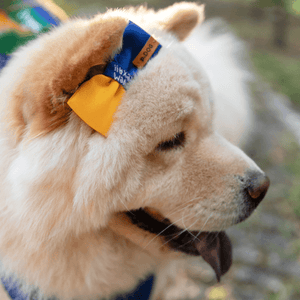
257, 186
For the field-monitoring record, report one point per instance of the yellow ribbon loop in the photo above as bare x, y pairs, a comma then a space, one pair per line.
96, 101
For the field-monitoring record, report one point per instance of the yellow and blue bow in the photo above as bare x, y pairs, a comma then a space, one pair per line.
96, 101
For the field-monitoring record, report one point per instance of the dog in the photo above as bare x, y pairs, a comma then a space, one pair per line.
86, 215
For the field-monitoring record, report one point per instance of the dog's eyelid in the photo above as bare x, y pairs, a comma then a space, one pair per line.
177, 141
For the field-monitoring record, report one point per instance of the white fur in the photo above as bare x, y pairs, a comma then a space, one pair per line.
224, 58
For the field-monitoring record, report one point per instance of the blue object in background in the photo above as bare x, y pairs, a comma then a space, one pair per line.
3, 60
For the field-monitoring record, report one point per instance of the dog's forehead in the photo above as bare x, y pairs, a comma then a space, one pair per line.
162, 93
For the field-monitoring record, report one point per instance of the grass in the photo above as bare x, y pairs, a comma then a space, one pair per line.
292, 166
294, 192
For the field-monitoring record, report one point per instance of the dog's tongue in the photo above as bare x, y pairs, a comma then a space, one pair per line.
215, 248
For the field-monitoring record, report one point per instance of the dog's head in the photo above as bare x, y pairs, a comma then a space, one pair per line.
162, 166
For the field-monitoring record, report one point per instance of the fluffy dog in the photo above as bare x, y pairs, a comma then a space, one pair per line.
86, 216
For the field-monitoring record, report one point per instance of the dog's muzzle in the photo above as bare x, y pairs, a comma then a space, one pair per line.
214, 247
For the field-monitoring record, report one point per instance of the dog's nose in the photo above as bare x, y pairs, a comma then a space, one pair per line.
257, 187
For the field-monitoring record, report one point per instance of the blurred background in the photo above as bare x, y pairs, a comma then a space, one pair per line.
267, 246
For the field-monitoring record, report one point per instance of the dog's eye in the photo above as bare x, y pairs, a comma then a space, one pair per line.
176, 142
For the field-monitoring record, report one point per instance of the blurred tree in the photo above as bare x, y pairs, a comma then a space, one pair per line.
279, 17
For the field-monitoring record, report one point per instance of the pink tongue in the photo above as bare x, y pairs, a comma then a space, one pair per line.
215, 248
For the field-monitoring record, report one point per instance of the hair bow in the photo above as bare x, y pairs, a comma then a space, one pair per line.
96, 101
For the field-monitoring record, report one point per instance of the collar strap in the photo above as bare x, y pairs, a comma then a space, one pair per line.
97, 100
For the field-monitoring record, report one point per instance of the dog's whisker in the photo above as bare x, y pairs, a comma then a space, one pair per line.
186, 229
184, 205
127, 209
173, 223
156, 236
205, 222
199, 232
175, 236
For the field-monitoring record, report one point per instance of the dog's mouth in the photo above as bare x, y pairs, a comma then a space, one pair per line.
214, 247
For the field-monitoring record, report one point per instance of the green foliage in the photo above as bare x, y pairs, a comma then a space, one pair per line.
270, 3
295, 7
281, 71
293, 167
273, 296
294, 197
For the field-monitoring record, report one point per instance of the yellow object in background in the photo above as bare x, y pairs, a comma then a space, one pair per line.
7, 23
218, 293
96, 101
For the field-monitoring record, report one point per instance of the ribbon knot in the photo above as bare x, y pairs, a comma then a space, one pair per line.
96, 101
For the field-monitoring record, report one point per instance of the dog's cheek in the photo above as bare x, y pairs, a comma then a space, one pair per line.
211, 178
110, 175
198, 186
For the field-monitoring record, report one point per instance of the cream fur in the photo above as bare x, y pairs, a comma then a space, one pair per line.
3, 294
62, 186
229, 76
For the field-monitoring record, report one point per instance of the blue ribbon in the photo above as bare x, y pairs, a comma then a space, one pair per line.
121, 68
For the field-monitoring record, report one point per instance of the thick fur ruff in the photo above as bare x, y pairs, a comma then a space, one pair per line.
64, 188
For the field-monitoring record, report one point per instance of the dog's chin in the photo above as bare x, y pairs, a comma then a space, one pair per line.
247, 212
243, 217
214, 247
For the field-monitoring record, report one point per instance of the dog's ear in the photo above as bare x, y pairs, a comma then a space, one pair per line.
59, 63
181, 18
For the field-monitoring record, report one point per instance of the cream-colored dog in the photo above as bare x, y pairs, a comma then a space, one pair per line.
85, 216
